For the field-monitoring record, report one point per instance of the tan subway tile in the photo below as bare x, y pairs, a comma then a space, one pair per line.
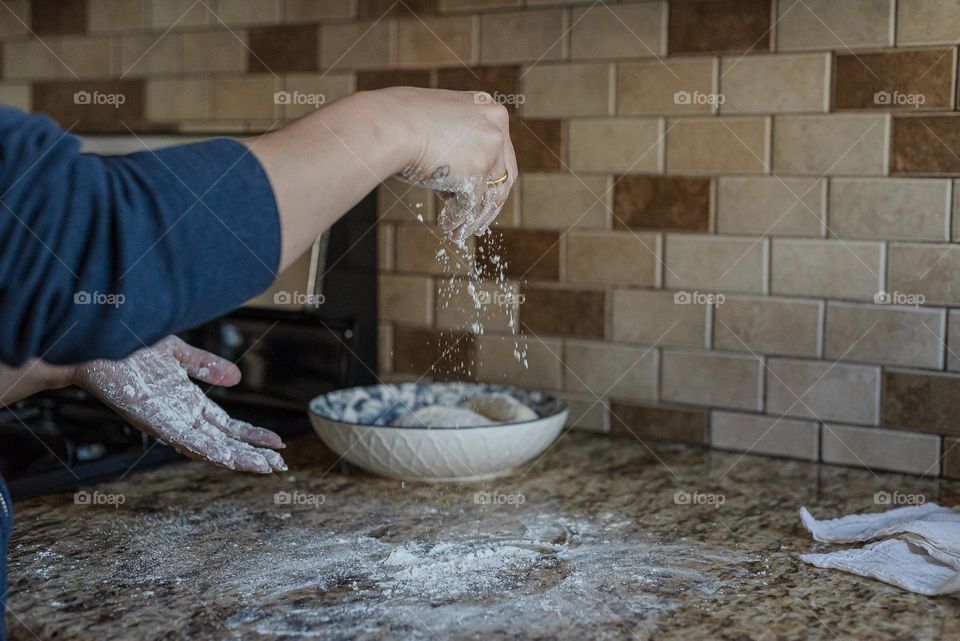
671, 86
32, 60
384, 348
612, 257
699, 26
828, 24
435, 41
50, 17
835, 144
283, 48
711, 378
621, 31
210, 51
424, 250
765, 435
520, 253
310, 10
245, 97
925, 269
380, 9
714, 263
886, 334
662, 202
355, 45
546, 310
659, 423
605, 369
386, 247
718, 145
464, 304
500, 81
771, 206
775, 84
880, 449
925, 145
89, 57
564, 201
145, 55
179, 14
370, 80
539, 144
911, 80
928, 22
522, 36
622, 145
15, 20
117, 15
953, 340
767, 325
824, 391
890, 208
951, 458
403, 202
243, 12
539, 367
586, 413
17, 95
921, 401
656, 318
171, 100
434, 353
831, 268
310, 91
476, 5
59, 100
405, 299
567, 90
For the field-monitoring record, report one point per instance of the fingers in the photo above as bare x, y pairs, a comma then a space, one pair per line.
204, 366
241, 430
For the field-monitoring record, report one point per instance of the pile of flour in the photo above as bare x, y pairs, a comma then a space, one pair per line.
483, 409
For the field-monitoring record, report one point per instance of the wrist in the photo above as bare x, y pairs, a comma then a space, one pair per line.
394, 133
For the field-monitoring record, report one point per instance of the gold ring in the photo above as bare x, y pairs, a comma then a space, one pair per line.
499, 181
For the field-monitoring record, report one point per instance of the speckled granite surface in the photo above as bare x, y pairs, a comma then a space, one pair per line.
589, 543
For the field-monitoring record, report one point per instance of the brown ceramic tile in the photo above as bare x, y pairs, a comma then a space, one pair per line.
895, 80
546, 310
280, 49
442, 355
538, 144
951, 458
660, 202
60, 101
367, 80
921, 402
525, 253
499, 80
659, 423
926, 145
392, 8
58, 16
698, 26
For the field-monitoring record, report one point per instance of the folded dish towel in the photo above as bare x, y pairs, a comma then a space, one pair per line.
919, 550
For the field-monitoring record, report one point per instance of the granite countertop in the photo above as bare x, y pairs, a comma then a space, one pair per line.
589, 543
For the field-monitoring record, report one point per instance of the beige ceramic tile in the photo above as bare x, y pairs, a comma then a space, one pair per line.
655, 318
403, 202
310, 91
15, 20
209, 51
711, 378
612, 257
88, 57
16, 95
241, 12
621, 31
766, 435
417, 248
31, 60
616, 145
466, 304
718, 145
890, 208
523, 36
767, 326
772, 205
496, 362
671, 86
245, 97
928, 270
953, 340
405, 299
564, 201
476, 5
886, 334
385, 348
605, 369
775, 84
355, 45
881, 449
825, 391
310, 10
117, 15
179, 14
144, 55
714, 263
586, 413
829, 268
386, 251
828, 24
565, 90
435, 41
831, 145
928, 22
171, 100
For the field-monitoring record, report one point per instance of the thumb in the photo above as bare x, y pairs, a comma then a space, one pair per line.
204, 366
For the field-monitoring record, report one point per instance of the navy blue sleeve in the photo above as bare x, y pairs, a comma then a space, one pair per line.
100, 255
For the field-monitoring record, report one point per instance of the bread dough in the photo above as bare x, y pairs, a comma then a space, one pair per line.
483, 409
501, 408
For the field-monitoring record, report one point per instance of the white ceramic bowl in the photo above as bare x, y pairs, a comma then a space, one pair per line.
355, 424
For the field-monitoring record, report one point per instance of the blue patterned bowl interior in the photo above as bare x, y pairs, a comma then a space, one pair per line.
380, 405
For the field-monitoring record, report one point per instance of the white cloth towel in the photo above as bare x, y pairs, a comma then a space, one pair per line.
920, 550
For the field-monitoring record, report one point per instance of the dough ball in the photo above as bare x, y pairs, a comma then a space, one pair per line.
438, 416
500, 408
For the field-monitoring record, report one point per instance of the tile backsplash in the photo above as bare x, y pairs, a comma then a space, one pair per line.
735, 222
